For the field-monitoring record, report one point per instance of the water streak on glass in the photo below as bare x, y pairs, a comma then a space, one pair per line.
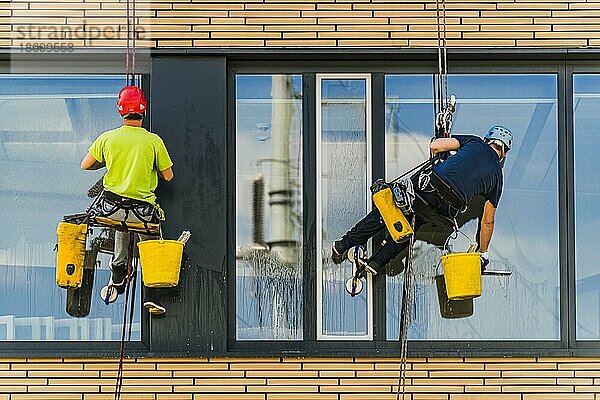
343, 193
269, 207
525, 240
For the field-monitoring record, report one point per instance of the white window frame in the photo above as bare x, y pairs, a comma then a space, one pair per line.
368, 130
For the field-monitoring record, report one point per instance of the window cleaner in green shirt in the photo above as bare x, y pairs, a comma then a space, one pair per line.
134, 158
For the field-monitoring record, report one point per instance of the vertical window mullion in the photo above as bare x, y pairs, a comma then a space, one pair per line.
310, 204
566, 184
378, 168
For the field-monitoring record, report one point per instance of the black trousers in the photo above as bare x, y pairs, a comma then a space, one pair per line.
426, 205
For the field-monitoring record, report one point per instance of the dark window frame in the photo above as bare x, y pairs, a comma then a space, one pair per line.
80, 348
579, 347
560, 61
566, 345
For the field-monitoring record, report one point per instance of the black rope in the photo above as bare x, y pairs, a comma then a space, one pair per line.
445, 62
130, 43
404, 317
133, 290
134, 33
127, 45
119, 383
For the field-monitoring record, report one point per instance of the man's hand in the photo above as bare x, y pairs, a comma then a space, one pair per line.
442, 145
485, 260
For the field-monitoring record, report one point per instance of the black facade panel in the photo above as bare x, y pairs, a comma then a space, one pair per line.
188, 110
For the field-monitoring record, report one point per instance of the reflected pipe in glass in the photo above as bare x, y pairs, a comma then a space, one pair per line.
281, 238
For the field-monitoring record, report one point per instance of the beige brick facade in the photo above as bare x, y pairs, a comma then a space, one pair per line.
317, 24
303, 379
306, 23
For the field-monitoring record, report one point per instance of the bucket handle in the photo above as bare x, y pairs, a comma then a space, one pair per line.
454, 236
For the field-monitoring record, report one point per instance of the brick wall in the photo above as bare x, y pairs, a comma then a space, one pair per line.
302, 379
399, 23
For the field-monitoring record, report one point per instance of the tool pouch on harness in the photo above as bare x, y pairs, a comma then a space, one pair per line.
390, 208
70, 254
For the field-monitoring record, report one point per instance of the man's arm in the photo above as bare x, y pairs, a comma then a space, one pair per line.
487, 226
90, 163
167, 174
442, 145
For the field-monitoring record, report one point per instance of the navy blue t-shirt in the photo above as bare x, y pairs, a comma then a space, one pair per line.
473, 170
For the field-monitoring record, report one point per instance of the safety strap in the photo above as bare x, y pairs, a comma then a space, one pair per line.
127, 205
444, 191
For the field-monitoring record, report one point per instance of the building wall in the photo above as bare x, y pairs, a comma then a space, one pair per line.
405, 23
291, 378
306, 23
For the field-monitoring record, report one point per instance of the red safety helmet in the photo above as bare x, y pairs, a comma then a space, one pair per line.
131, 101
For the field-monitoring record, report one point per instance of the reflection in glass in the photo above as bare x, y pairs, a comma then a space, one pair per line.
47, 124
525, 305
269, 207
343, 190
586, 104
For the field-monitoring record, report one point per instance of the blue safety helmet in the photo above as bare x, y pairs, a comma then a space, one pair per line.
500, 133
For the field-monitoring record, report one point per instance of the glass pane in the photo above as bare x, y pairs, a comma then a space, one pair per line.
343, 193
269, 207
586, 103
48, 123
525, 240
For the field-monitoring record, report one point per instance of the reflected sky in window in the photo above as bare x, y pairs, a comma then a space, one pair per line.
269, 207
526, 305
586, 106
343, 180
47, 124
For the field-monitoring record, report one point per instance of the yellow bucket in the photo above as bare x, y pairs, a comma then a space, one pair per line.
161, 262
70, 254
462, 273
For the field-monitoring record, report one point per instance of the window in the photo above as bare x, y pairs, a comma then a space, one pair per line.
586, 102
48, 123
268, 207
343, 176
525, 305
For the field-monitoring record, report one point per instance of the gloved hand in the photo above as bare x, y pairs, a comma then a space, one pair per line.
485, 260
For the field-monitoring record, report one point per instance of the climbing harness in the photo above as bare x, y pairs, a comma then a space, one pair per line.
107, 204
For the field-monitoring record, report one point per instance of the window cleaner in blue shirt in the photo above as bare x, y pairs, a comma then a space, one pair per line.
475, 169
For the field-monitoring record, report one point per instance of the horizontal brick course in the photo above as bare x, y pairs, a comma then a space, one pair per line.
348, 23
303, 379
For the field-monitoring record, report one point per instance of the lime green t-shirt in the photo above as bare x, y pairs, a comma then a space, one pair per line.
133, 157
